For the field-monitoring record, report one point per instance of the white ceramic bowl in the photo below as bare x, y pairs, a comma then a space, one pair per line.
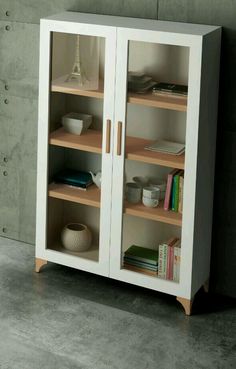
76, 237
76, 123
150, 203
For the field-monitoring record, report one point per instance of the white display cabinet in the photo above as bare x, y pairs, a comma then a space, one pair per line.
123, 123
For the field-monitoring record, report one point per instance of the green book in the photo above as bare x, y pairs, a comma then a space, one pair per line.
140, 264
175, 193
142, 254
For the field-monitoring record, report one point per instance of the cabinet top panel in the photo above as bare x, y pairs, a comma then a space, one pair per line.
134, 23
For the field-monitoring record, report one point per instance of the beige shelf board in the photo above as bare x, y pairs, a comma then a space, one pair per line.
135, 151
164, 101
91, 254
157, 214
90, 140
90, 197
59, 85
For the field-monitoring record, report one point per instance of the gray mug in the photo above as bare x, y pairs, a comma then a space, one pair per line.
133, 192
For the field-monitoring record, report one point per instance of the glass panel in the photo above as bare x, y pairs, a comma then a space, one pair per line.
75, 160
156, 114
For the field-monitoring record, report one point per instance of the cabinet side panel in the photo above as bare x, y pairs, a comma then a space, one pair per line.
206, 159
43, 116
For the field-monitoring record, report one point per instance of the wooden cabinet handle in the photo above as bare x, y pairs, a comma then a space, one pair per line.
119, 137
108, 137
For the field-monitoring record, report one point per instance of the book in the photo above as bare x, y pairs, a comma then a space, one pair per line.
176, 263
142, 254
169, 188
181, 193
140, 264
74, 178
140, 270
163, 256
167, 147
170, 88
170, 259
175, 192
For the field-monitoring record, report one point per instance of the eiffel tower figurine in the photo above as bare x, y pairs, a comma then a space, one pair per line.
78, 74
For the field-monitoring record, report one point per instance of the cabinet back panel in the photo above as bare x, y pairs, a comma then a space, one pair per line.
146, 233
165, 63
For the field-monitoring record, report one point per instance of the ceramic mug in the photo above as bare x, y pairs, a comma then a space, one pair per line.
151, 192
143, 181
133, 192
160, 183
150, 203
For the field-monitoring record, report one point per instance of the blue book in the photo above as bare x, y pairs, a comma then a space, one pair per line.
140, 264
74, 178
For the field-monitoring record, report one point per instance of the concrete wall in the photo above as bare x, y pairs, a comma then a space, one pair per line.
19, 42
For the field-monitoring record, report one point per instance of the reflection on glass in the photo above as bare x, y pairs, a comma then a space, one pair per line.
78, 74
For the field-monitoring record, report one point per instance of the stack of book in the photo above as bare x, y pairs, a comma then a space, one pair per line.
141, 259
76, 178
174, 191
170, 88
139, 82
169, 259
166, 147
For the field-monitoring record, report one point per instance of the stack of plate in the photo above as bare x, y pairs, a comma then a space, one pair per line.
139, 82
167, 147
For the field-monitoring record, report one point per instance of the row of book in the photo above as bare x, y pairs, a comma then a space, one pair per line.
164, 262
169, 259
174, 191
141, 259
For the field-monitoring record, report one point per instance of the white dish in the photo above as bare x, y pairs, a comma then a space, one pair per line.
76, 123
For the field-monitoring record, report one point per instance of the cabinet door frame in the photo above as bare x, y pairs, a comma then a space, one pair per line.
194, 42
109, 33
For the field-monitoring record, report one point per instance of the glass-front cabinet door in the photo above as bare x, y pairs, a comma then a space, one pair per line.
76, 107
152, 74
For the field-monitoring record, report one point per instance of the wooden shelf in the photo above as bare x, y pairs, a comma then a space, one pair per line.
157, 214
59, 85
135, 151
90, 140
163, 101
92, 254
90, 197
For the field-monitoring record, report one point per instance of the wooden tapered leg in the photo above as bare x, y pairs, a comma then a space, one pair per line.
206, 286
39, 263
187, 304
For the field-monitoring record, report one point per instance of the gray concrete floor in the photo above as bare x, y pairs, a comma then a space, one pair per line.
67, 319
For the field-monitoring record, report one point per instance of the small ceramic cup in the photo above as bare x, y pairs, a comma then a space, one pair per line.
151, 192
160, 183
133, 192
143, 181
150, 203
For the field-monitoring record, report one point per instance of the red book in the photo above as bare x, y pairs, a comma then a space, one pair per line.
168, 188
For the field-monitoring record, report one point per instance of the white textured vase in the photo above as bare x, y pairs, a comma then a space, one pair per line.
76, 237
